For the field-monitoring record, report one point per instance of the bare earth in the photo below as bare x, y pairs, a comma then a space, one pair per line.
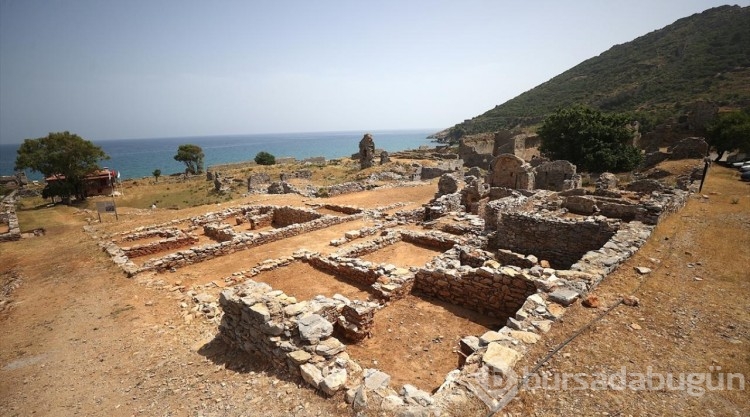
79, 338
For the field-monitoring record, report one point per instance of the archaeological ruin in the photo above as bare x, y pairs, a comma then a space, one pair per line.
510, 250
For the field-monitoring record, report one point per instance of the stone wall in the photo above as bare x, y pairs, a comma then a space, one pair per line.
220, 232
344, 188
510, 171
562, 242
256, 180
658, 202
342, 208
476, 151
177, 241
239, 242
8, 208
285, 216
291, 335
493, 292
556, 176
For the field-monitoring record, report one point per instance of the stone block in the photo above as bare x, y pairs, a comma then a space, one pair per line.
500, 358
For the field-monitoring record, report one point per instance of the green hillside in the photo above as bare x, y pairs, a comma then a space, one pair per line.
702, 57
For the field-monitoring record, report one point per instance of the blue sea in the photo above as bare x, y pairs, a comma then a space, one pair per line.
135, 158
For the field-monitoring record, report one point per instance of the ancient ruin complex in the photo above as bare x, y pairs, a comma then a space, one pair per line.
516, 246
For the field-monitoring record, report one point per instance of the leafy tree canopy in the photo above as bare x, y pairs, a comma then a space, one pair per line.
264, 158
192, 156
156, 174
592, 140
730, 131
64, 154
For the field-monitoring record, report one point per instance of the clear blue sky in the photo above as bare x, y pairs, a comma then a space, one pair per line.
109, 69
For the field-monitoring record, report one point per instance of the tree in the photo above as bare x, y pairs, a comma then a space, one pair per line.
592, 140
192, 156
264, 158
62, 154
156, 174
730, 131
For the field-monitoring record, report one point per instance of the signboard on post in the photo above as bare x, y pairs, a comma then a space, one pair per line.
106, 207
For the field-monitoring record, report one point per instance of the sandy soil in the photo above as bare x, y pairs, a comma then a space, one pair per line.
304, 282
415, 340
402, 254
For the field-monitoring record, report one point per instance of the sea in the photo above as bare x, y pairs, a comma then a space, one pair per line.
137, 158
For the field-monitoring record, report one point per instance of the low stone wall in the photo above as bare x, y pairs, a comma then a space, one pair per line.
344, 188
493, 292
342, 208
8, 207
220, 232
241, 242
178, 241
291, 335
435, 240
160, 232
286, 216
560, 241
649, 210
261, 220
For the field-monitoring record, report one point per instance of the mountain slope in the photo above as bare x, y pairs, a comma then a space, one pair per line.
705, 56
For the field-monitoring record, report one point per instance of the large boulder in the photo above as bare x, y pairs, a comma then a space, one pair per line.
313, 328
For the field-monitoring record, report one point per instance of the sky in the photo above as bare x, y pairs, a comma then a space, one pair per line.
108, 69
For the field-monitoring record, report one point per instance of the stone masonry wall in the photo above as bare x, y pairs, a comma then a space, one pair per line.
493, 292
179, 241
562, 242
240, 242
289, 334
220, 232
285, 216
8, 207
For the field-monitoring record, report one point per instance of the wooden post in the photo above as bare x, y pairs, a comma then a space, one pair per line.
707, 162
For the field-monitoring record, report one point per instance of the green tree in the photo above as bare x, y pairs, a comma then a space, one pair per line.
156, 174
264, 158
730, 131
192, 156
65, 155
592, 140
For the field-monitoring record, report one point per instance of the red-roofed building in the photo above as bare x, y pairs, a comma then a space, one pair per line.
101, 182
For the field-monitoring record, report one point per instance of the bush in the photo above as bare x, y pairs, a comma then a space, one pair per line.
265, 158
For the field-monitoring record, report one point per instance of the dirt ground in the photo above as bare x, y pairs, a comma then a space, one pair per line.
402, 254
81, 339
304, 282
415, 340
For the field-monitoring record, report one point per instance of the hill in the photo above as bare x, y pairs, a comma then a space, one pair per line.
705, 56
